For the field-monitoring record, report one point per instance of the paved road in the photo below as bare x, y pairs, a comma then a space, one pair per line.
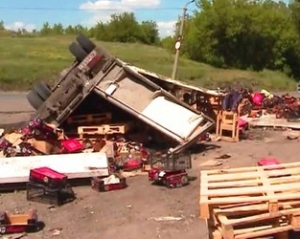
14, 102
14, 110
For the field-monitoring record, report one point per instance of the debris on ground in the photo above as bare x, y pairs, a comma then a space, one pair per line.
55, 231
223, 156
211, 163
168, 218
292, 134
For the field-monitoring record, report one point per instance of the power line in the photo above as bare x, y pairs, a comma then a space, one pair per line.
78, 9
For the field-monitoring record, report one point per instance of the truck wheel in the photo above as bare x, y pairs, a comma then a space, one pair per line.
43, 90
168, 184
184, 180
85, 43
77, 51
34, 99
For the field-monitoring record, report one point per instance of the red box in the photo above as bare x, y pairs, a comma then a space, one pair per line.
71, 146
274, 165
269, 162
48, 177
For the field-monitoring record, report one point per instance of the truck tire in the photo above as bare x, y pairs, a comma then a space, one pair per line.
184, 180
85, 43
77, 51
43, 90
34, 99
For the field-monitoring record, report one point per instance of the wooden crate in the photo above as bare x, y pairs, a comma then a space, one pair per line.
250, 188
227, 122
90, 119
104, 129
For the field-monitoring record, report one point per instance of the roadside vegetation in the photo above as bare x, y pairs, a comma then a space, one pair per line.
25, 60
254, 43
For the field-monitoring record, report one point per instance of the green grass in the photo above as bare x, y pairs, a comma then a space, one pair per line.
26, 60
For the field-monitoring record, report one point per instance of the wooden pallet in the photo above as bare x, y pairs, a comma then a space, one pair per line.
257, 232
104, 129
245, 187
90, 119
272, 122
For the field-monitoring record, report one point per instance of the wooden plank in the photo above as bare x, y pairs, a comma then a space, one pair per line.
256, 218
81, 165
240, 183
204, 209
253, 190
252, 175
252, 207
272, 204
265, 232
227, 200
250, 169
287, 174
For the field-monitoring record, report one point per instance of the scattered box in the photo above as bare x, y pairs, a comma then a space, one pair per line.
110, 183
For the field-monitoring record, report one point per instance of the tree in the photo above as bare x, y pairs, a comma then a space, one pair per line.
2, 27
295, 13
80, 29
100, 32
168, 42
123, 27
46, 29
57, 29
149, 32
70, 30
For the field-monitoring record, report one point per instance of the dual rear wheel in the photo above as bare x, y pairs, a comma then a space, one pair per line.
41, 90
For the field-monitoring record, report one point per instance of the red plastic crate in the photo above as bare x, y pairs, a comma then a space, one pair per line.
48, 177
71, 146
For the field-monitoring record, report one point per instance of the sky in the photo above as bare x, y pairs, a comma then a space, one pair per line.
31, 14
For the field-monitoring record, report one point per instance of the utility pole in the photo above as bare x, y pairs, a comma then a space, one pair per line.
179, 40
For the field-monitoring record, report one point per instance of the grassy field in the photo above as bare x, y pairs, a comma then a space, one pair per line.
24, 61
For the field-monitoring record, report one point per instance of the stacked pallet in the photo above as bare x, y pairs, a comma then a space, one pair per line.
251, 202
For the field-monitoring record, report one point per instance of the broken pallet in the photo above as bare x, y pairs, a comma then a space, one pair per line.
90, 119
266, 231
250, 226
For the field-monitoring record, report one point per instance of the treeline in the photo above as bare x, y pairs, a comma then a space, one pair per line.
121, 28
244, 34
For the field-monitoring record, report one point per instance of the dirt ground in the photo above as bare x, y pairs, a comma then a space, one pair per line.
129, 213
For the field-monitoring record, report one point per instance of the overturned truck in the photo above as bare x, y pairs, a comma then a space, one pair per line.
96, 72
